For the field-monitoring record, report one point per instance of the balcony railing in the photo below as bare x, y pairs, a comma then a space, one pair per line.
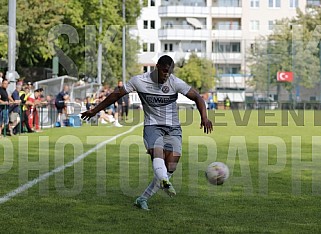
183, 10
184, 3
226, 57
226, 12
232, 81
216, 34
184, 34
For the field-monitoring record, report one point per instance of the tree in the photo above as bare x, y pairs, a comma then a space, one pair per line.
291, 47
36, 18
198, 72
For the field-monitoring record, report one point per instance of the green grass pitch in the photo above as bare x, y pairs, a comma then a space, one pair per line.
274, 187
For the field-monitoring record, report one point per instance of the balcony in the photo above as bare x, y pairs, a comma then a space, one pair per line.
181, 33
226, 12
183, 11
230, 81
227, 34
227, 57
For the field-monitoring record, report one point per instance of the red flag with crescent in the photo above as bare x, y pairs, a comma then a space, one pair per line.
285, 76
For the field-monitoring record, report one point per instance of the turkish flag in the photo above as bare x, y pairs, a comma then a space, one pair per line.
285, 76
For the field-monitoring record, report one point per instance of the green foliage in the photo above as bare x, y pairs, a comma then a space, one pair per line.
293, 46
273, 185
37, 18
198, 72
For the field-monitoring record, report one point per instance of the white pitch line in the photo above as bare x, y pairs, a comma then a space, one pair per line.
45, 176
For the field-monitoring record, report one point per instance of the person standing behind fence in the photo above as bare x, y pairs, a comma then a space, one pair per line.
14, 111
215, 101
4, 104
210, 102
123, 104
60, 103
33, 116
227, 103
24, 94
1, 77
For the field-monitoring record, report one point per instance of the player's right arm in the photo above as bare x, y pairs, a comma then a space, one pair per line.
110, 99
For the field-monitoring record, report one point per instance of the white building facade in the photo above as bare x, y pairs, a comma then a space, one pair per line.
220, 30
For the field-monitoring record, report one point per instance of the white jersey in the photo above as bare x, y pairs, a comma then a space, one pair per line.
158, 100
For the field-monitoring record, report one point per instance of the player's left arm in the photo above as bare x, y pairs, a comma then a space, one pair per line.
205, 122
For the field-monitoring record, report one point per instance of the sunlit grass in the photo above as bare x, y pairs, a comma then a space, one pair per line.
96, 195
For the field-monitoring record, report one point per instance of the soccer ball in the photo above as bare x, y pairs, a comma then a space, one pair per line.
216, 173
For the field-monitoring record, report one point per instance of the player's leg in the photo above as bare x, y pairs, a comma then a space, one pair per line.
59, 116
116, 123
164, 160
172, 152
153, 136
171, 161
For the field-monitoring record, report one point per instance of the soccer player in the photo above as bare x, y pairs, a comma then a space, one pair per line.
158, 91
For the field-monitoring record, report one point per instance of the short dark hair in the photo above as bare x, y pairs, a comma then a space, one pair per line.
165, 60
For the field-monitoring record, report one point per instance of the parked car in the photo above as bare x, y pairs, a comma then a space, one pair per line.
266, 104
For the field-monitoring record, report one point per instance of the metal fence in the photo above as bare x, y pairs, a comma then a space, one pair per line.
47, 117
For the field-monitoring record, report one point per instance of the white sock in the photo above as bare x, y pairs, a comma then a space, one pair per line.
160, 169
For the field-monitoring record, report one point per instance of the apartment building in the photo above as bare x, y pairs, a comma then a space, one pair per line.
220, 30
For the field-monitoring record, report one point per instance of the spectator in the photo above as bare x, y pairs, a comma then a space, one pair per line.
4, 104
88, 103
14, 111
33, 114
111, 110
24, 94
31, 88
1, 77
215, 101
210, 101
123, 104
227, 103
60, 104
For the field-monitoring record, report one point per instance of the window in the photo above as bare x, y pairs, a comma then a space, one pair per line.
228, 25
228, 68
271, 24
168, 47
229, 3
235, 47
274, 3
152, 24
255, 3
254, 25
145, 24
294, 3
145, 68
152, 2
227, 47
145, 47
152, 47
311, 3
